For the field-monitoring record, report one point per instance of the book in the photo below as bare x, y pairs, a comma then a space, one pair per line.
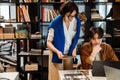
25, 13
45, 14
20, 15
52, 15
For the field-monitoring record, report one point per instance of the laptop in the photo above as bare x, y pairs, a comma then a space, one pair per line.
98, 67
112, 73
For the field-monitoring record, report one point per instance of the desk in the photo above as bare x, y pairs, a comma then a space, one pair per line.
10, 75
62, 72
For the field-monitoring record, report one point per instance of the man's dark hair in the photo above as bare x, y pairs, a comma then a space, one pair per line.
96, 30
68, 6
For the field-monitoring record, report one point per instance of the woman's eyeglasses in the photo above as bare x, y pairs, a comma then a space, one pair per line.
71, 16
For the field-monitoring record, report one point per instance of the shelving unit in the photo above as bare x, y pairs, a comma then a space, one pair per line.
30, 43
29, 66
33, 35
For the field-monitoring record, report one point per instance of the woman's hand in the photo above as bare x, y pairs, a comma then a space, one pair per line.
60, 55
74, 52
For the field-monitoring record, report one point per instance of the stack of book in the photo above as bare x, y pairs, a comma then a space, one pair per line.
95, 15
9, 60
116, 32
8, 31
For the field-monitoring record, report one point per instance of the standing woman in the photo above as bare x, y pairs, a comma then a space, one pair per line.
63, 35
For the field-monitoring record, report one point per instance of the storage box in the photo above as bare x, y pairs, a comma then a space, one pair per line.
23, 31
8, 36
31, 67
11, 69
1, 30
36, 51
1, 35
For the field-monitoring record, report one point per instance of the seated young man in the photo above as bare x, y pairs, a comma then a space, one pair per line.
95, 49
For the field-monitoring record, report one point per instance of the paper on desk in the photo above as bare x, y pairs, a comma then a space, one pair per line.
74, 76
62, 73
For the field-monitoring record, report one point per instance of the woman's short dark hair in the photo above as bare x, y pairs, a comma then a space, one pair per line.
96, 30
68, 6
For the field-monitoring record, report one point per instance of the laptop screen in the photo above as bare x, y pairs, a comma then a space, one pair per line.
98, 67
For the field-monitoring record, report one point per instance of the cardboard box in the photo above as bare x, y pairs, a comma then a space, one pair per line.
36, 51
8, 36
1, 30
31, 67
1, 35
24, 30
11, 69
